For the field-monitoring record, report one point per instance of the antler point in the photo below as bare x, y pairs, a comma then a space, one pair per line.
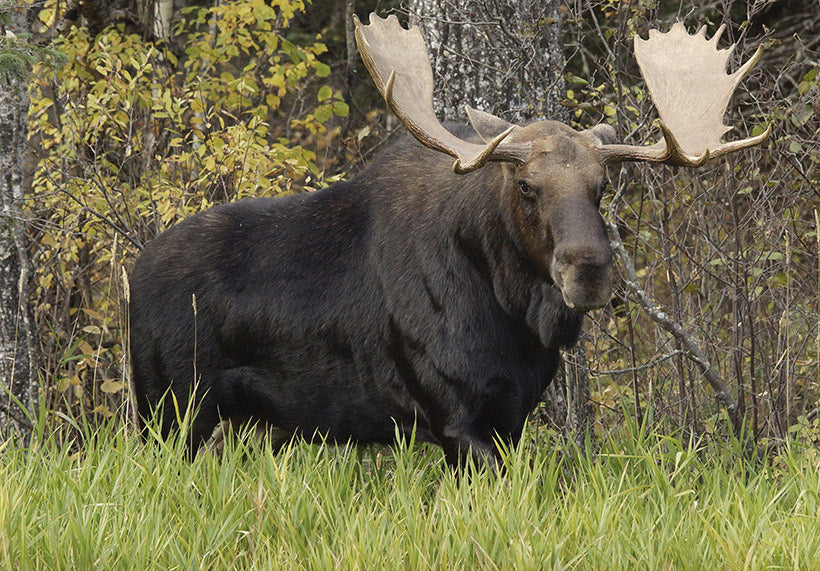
718, 34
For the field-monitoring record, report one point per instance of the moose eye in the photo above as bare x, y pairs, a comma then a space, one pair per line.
526, 189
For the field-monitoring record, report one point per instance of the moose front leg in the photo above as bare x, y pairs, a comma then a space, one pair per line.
462, 447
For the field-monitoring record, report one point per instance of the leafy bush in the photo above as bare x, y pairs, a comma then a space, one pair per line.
134, 135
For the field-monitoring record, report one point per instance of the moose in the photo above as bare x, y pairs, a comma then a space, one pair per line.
423, 294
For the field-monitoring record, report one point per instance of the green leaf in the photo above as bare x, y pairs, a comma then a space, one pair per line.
322, 70
757, 130
325, 92
341, 109
323, 114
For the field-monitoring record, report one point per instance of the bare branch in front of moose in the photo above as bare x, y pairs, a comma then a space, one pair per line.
423, 293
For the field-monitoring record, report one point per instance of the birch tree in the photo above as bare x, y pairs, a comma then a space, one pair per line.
18, 354
163, 14
500, 56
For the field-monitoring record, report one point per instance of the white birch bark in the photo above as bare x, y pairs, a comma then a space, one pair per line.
500, 56
163, 18
18, 362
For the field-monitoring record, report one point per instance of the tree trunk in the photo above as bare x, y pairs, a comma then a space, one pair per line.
18, 347
163, 18
499, 56
505, 57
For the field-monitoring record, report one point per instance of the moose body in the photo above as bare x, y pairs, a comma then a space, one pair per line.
420, 295
407, 296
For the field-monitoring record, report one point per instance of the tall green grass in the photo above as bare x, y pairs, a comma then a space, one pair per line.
642, 501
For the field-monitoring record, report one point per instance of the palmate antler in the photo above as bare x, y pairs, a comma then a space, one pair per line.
687, 79
686, 76
397, 60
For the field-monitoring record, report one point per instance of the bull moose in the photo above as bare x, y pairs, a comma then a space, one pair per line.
421, 294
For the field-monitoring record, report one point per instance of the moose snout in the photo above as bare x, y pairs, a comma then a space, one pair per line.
583, 272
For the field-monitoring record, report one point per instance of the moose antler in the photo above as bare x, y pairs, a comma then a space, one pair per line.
397, 60
687, 79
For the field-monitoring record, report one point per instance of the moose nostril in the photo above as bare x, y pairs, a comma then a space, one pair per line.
583, 255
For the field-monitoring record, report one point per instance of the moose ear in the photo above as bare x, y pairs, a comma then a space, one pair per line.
487, 126
601, 134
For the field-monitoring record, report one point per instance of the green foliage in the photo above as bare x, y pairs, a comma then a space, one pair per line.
137, 135
17, 54
644, 501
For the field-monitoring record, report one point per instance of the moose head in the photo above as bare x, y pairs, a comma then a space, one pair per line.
554, 175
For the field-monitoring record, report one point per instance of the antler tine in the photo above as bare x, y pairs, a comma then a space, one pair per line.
747, 67
397, 60
687, 79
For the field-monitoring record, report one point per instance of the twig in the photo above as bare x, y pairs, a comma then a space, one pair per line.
123, 230
649, 365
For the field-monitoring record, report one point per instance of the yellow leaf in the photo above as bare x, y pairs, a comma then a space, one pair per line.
112, 386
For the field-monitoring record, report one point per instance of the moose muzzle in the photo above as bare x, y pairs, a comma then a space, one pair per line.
584, 276
581, 263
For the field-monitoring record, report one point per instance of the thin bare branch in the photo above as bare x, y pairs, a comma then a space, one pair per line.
688, 342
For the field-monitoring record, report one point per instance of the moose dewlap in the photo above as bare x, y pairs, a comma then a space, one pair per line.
421, 294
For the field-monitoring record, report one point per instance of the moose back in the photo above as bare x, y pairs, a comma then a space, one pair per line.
419, 295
